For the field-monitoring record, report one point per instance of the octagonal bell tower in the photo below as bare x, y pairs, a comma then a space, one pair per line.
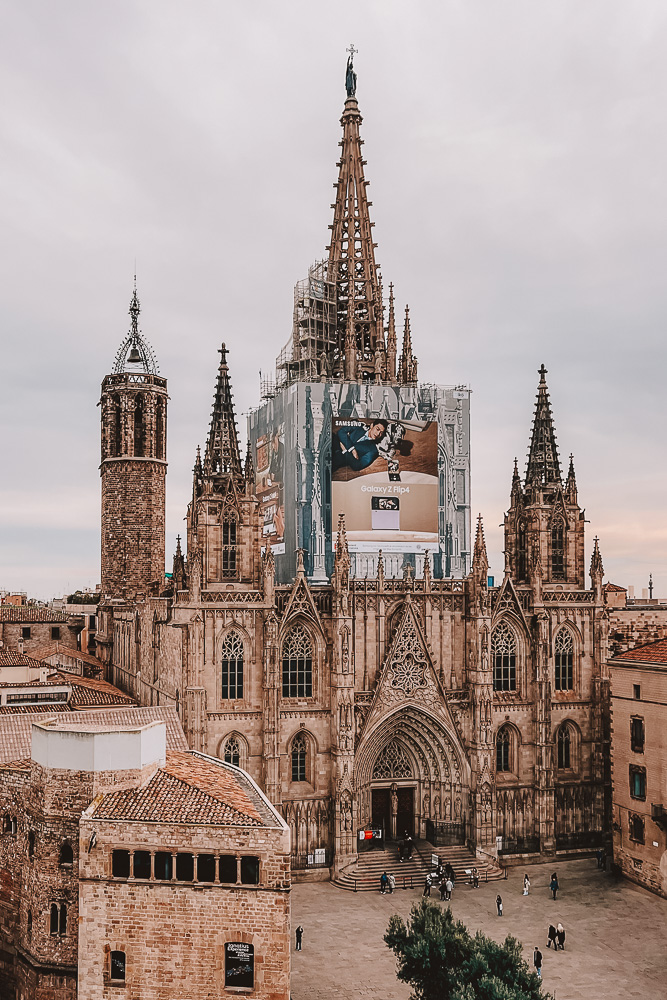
133, 469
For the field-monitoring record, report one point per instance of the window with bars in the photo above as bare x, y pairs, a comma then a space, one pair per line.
564, 743
232, 666
503, 749
297, 663
503, 651
299, 757
229, 524
558, 549
232, 751
564, 660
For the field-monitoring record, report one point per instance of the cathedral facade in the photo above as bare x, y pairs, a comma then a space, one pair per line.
405, 694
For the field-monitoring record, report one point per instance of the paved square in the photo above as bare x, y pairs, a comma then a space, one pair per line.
615, 945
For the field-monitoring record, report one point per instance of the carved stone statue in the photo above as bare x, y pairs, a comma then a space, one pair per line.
350, 79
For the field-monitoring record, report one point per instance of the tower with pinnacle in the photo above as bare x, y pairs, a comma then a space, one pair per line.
133, 469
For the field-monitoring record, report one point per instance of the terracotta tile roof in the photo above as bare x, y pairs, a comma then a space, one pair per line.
17, 765
16, 727
89, 692
615, 588
188, 789
8, 658
11, 613
37, 706
55, 649
653, 652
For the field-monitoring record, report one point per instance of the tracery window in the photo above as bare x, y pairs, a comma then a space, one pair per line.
229, 523
297, 663
503, 749
232, 666
393, 762
563, 660
299, 757
558, 549
564, 743
232, 751
503, 650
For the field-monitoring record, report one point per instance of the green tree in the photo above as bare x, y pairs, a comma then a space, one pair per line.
442, 961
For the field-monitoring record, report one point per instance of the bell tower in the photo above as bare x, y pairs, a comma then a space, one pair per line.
133, 469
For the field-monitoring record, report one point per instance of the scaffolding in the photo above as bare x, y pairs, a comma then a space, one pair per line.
308, 354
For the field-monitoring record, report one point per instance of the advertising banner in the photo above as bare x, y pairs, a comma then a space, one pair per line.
270, 473
239, 965
385, 480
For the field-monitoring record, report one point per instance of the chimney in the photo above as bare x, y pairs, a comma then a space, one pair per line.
21, 645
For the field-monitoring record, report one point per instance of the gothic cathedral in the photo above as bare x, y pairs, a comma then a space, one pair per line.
413, 696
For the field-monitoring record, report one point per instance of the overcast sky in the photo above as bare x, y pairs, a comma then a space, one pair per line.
517, 158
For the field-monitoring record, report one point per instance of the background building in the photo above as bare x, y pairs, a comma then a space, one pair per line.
639, 764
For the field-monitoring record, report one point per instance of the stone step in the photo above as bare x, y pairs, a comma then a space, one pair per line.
364, 875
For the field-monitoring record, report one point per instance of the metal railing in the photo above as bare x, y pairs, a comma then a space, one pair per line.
304, 862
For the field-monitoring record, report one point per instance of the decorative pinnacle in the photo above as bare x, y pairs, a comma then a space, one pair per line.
350, 75
135, 310
542, 373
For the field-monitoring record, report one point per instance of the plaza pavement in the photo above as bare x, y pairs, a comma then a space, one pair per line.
615, 947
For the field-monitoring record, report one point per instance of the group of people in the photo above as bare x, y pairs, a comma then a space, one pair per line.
387, 883
556, 936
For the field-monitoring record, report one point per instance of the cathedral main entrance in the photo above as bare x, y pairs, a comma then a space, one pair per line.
381, 809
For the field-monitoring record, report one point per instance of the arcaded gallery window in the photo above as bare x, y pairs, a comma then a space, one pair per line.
503, 651
232, 751
232, 666
297, 663
564, 660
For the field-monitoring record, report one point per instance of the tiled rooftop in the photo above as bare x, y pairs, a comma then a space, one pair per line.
89, 692
615, 588
54, 649
39, 706
653, 652
8, 658
25, 615
190, 788
16, 728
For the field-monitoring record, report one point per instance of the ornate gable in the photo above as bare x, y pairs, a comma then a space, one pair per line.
301, 601
508, 601
408, 676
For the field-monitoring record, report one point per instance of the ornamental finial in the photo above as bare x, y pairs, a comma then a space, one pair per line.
350, 75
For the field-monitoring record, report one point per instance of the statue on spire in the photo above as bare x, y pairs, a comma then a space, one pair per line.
350, 75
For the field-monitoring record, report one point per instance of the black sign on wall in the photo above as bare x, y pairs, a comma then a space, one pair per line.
239, 964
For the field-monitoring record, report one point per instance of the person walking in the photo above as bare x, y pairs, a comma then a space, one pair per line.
427, 886
499, 904
537, 961
299, 937
443, 890
475, 879
560, 931
384, 882
392, 883
551, 937
449, 885
526, 885
553, 885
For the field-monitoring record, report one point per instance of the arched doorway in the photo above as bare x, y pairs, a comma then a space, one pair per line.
410, 773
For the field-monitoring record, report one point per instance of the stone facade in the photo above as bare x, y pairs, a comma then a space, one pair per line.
28, 629
68, 911
639, 764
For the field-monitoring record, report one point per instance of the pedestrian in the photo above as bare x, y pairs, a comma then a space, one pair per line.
443, 890
299, 937
427, 886
526, 885
408, 847
551, 937
560, 931
475, 879
401, 847
499, 904
384, 882
598, 855
449, 885
537, 961
392, 883
553, 885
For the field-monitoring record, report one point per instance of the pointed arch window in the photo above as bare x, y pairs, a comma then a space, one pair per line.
503, 651
139, 428
231, 665
558, 549
563, 660
564, 743
297, 663
232, 751
503, 750
522, 556
299, 757
229, 553
392, 762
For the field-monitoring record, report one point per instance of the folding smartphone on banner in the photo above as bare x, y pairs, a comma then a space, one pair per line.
385, 514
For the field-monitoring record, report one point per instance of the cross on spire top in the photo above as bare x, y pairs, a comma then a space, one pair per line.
542, 372
352, 50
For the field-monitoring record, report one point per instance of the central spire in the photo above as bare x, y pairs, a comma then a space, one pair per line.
352, 267
222, 455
